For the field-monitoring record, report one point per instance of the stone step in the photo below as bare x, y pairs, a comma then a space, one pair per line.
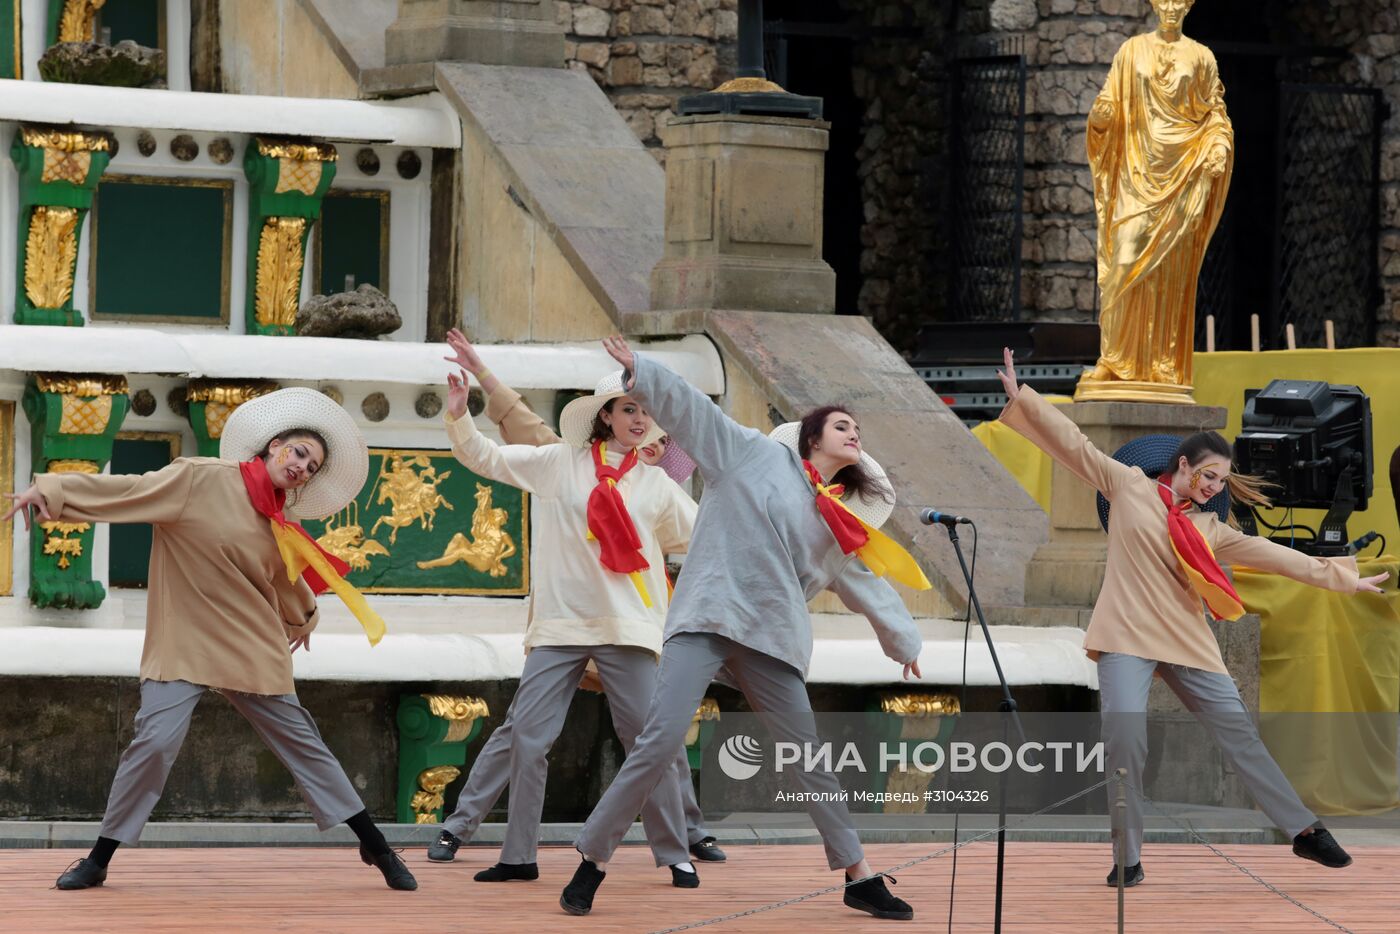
1217, 825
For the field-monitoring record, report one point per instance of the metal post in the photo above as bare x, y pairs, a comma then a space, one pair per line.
1120, 836
750, 40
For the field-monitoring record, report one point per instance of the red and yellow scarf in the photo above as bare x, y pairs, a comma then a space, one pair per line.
880, 553
1198, 561
301, 554
611, 525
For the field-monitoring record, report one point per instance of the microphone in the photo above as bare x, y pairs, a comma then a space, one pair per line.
934, 517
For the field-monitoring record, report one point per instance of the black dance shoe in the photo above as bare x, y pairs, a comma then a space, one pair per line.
684, 880
1132, 875
509, 872
707, 851
396, 874
1319, 846
444, 848
84, 874
871, 897
578, 894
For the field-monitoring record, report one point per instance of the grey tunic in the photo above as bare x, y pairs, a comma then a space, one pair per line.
760, 549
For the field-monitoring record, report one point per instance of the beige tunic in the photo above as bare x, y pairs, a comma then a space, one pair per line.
1147, 607
574, 599
220, 610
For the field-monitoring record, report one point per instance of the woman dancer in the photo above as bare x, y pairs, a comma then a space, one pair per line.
771, 534
232, 584
602, 528
1163, 551
519, 425
491, 769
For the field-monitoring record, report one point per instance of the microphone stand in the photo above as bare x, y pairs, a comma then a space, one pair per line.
1007, 706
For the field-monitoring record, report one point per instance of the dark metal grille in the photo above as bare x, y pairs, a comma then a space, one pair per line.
1325, 261
1215, 288
988, 138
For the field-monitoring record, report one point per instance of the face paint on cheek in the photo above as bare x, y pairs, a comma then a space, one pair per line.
281, 457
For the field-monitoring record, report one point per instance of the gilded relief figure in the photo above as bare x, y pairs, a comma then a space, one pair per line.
413, 496
346, 540
490, 546
1161, 150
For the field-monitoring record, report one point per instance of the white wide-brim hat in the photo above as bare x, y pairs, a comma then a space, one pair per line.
576, 421
340, 479
873, 511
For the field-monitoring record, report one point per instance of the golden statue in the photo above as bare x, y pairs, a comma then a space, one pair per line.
413, 497
490, 546
1161, 149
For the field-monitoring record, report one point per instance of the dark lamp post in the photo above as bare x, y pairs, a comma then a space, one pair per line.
750, 92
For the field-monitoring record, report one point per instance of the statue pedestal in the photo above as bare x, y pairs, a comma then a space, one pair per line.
1132, 390
744, 216
1068, 569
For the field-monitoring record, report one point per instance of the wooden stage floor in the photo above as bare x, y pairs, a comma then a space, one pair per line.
1050, 888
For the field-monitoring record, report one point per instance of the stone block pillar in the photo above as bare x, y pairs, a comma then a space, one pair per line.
488, 32
1068, 569
744, 215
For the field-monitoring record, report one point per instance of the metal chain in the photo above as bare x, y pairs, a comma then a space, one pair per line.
1266, 884
902, 866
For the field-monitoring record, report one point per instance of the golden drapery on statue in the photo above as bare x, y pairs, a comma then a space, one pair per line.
1161, 150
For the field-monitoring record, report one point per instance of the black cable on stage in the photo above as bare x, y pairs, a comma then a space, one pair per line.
1285, 524
1381, 535
962, 705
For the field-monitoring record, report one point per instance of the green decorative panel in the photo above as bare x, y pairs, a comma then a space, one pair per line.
73, 421
286, 181
426, 524
162, 249
11, 51
129, 556
434, 731
58, 171
352, 239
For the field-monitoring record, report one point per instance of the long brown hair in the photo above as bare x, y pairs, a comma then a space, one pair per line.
854, 477
602, 431
1245, 489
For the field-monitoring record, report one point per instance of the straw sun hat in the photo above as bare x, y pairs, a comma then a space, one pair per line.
576, 421
874, 511
340, 479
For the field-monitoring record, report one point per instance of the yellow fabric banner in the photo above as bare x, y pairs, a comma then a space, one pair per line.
1329, 667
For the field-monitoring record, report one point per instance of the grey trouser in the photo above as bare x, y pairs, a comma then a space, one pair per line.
161, 725
517, 750
776, 692
1124, 681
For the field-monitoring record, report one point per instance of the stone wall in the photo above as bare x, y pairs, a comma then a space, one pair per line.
274, 47
1370, 30
647, 53
1068, 45
902, 80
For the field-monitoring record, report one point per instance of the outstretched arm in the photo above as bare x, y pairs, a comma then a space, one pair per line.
518, 423
1048, 429
864, 593
714, 441
1233, 547
532, 469
158, 497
